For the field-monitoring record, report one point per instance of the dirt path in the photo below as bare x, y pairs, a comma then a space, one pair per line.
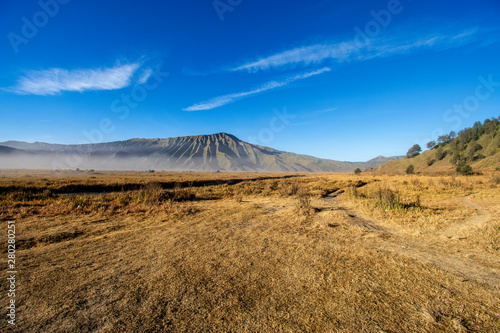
421, 251
478, 220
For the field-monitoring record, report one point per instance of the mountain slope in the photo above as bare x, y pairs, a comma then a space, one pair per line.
219, 151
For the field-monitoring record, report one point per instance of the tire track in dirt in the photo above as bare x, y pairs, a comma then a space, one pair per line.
421, 252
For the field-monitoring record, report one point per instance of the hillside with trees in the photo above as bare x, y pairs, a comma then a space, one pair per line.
472, 150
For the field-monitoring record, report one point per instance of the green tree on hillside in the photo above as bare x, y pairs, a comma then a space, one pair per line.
473, 148
445, 138
470, 144
431, 144
455, 158
478, 130
490, 127
410, 170
357, 171
414, 151
440, 154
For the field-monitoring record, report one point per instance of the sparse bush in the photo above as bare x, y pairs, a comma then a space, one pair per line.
294, 188
289, 188
303, 203
273, 185
410, 170
357, 171
388, 199
181, 194
495, 179
151, 193
430, 161
353, 191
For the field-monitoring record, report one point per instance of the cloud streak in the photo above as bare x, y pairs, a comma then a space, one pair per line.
57, 80
230, 98
353, 50
306, 55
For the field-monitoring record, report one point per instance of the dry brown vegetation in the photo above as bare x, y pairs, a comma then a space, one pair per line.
233, 252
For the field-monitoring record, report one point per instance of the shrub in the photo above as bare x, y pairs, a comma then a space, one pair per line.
464, 169
440, 153
480, 157
357, 171
410, 170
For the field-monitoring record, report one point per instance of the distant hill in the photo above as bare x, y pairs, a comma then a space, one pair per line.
219, 151
9, 150
477, 146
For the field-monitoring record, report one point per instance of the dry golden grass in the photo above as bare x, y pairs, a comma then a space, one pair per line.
322, 253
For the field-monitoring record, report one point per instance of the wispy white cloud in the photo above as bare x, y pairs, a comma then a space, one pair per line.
326, 110
355, 50
56, 80
305, 55
229, 98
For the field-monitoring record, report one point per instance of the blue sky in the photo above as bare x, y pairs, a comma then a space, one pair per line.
346, 80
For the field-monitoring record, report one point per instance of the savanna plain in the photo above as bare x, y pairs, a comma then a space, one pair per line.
252, 252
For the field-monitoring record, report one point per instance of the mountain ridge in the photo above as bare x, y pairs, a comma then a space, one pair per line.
209, 152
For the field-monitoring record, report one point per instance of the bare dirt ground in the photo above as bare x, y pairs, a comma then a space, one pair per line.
324, 253
431, 250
